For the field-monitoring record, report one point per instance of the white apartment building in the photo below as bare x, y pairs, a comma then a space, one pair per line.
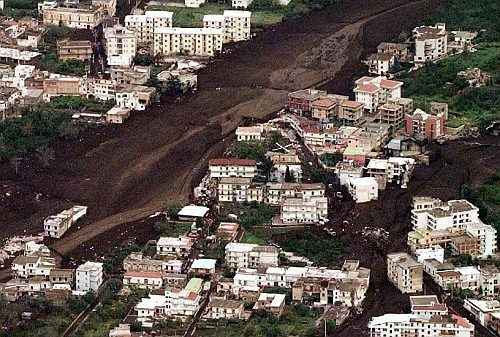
399, 325
427, 306
101, 89
246, 255
300, 210
232, 167
121, 45
146, 24
434, 252
375, 91
56, 225
235, 24
89, 276
136, 97
278, 192
236, 189
482, 309
28, 266
143, 279
249, 133
362, 189
404, 272
283, 163
470, 278
174, 246
431, 43
487, 236
490, 280
184, 303
241, 3
188, 41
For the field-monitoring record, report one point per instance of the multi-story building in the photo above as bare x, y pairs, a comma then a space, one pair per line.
74, 50
362, 189
273, 303
323, 109
278, 192
224, 309
246, 255
188, 41
304, 210
423, 125
235, 24
89, 276
237, 189
121, 45
81, 18
404, 272
60, 85
62, 276
184, 303
174, 246
301, 101
101, 89
56, 225
29, 266
427, 306
399, 50
283, 163
146, 24
374, 91
380, 63
136, 97
484, 311
136, 75
431, 43
193, 3
249, 133
351, 112
138, 262
391, 114
399, 325
490, 280
232, 167
143, 279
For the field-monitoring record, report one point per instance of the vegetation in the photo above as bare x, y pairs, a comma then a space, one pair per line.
298, 320
323, 251
54, 34
331, 159
51, 63
171, 228
20, 8
255, 214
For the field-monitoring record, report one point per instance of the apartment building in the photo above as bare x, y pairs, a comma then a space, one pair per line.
404, 272
362, 189
146, 24
174, 246
29, 266
89, 276
283, 164
121, 45
228, 231
203, 267
490, 280
137, 262
101, 89
434, 252
486, 312
272, 303
277, 193
422, 125
375, 91
303, 210
323, 109
62, 276
380, 63
391, 114
249, 133
237, 189
351, 112
427, 306
399, 50
224, 309
74, 50
143, 279
246, 255
431, 43
136, 97
232, 167
204, 42
56, 225
400, 325
235, 24
301, 101
81, 18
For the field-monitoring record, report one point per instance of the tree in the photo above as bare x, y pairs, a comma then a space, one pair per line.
288, 176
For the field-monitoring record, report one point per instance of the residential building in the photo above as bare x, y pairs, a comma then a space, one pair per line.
121, 45
427, 306
351, 112
136, 97
349, 292
203, 267
391, 114
117, 115
62, 276
347, 169
272, 303
46, 4
404, 272
138, 262
283, 164
375, 91
174, 246
228, 231
425, 126
81, 18
303, 210
399, 50
74, 50
235, 24
29, 266
246, 255
188, 80
434, 252
190, 41
237, 189
146, 24
224, 309
301, 101
184, 303
56, 225
143, 279
431, 43
249, 133
483, 310
470, 278
399, 325
380, 63
59, 85
232, 167
363, 189
89, 276
323, 109
490, 280
277, 193
102, 89
136, 75
465, 244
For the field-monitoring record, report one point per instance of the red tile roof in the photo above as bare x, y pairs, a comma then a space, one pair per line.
390, 84
367, 87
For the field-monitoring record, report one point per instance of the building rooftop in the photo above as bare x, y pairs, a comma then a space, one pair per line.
204, 264
193, 211
232, 162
